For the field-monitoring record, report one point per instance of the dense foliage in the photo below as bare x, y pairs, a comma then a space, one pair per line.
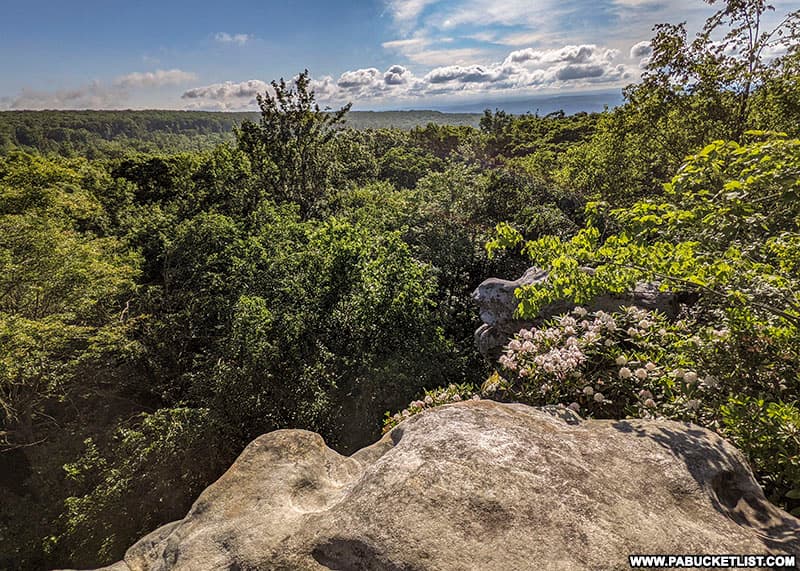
726, 229
175, 284
723, 232
111, 134
160, 310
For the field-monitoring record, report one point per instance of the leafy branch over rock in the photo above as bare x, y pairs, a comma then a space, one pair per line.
727, 229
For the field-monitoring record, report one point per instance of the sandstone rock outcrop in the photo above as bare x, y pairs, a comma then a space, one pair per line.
475, 485
497, 303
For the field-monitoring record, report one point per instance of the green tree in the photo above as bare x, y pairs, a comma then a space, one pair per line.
290, 147
61, 285
713, 75
405, 166
692, 92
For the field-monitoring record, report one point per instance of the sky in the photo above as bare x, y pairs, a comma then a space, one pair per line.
377, 54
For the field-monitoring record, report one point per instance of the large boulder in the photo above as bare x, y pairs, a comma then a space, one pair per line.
497, 304
476, 485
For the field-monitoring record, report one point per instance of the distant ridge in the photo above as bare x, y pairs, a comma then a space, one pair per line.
570, 103
409, 119
115, 133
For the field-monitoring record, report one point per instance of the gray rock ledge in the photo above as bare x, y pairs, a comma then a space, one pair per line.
475, 485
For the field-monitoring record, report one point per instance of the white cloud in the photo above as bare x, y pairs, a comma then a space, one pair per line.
580, 71
634, 18
97, 94
427, 51
91, 96
461, 56
325, 88
568, 54
358, 78
641, 50
638, 3
470, 74
226, 38
157, 78
569, 66
371, 83
407, 11
485, 13
540, 23
227, 96
520, 39
404, 44
397, 75
521, 71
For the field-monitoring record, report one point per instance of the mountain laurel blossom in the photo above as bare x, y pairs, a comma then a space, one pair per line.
609, 365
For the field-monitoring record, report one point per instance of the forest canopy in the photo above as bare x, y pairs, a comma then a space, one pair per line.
175, 284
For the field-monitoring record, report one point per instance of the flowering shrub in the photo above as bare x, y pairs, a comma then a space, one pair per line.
635, 363
451, 394
608, 365
726, 232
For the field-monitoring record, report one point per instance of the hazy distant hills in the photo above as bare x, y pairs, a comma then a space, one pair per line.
591, 102
113, 133
409, 119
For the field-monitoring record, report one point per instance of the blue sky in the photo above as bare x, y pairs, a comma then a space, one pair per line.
376, 53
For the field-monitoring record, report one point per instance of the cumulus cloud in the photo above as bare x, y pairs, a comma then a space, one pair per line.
226, 38
227, 96
397, 75
470, 74
587, 53
238, 96
641, 50
580, 71
325, 88
521, 71
358, 78
371, 83
534, 68
157, 78
364, 84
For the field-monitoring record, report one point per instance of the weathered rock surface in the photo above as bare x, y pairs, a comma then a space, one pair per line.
496, 302
476, 485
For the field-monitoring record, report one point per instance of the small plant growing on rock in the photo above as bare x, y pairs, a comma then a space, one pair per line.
451, 394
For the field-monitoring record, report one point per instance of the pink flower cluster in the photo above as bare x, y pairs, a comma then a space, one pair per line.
559, 350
